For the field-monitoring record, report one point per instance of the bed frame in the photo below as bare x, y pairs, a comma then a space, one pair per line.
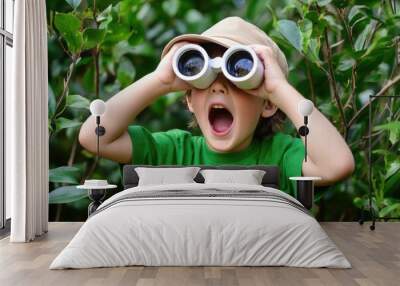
271, 178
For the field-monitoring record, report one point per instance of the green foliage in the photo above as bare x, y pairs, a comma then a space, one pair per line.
64, 174
93, 37
393, 128
74, 3
62, 123
291, 32
69, 27
77, 101
350, 46
68, 194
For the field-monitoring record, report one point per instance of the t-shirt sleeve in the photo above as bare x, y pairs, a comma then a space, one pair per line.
156, 148
292, 164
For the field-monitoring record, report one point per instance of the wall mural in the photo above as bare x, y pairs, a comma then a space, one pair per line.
206, 100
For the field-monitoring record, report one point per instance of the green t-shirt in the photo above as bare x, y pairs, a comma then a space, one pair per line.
180, 147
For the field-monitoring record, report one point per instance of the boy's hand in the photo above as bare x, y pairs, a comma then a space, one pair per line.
165, 73
273, 74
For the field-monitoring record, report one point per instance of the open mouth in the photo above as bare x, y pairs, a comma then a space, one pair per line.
220, 118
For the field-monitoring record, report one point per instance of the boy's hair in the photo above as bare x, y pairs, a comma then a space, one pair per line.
265, 127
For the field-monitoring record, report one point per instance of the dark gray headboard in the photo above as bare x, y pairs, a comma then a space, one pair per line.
271, 178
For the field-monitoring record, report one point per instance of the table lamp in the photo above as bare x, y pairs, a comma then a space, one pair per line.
97, 108
305, 185
97, 188
305, 108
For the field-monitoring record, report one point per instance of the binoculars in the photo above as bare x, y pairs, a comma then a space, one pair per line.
239, 64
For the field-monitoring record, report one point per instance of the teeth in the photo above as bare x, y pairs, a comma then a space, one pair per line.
218, 106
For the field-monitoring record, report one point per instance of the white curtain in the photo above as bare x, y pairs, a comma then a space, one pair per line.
27, 153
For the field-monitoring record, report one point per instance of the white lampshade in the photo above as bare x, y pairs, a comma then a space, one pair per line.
97, 107
305, 107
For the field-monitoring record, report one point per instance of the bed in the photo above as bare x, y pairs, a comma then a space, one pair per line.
201, 223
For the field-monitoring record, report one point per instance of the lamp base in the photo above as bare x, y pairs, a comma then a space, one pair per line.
97, 196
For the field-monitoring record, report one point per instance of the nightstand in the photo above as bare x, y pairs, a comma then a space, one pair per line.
96, 195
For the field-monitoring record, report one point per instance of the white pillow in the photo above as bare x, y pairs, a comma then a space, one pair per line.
249, 177
162, 176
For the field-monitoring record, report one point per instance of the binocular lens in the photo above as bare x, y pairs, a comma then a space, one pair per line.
190, 63
239, 64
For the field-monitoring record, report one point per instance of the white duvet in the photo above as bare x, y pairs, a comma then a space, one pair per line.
190, 230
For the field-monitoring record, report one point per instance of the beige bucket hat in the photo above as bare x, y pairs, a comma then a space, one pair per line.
232, 31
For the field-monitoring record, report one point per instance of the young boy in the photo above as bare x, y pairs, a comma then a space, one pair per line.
244, 133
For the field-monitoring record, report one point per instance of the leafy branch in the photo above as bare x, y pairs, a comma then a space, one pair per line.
384, 89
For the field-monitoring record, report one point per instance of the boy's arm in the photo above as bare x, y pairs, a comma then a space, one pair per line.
328, 155
122, 109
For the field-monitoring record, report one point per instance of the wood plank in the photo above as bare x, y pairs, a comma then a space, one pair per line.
374, 255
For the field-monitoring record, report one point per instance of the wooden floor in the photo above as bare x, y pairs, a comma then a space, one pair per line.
374, 255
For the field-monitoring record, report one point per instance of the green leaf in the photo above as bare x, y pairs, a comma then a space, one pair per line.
360, 202
63, 122
313, 51
69, 27
137, 36
394, 167
331, 22
121, 49
322, 3
74, 3
51, 102
93, 37
117, 32
126, 72
64, 174
170, 7
77, 101
87, 154
341, 3
102, 4
361, 41
173, 97
389, 209
393, 128
355, 13
80, 205
346, 64
306, 27
66, 194
105, 15
382, 152
66, 23
83, 61
144, 49
88, 78
291, 32
272, 12
392, 184
50, 127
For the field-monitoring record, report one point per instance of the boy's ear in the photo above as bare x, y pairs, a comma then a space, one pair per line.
189, 102
269, 109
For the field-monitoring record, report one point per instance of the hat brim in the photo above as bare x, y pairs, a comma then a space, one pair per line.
195, 38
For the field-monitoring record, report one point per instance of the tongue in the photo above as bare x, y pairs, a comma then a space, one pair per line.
222, 123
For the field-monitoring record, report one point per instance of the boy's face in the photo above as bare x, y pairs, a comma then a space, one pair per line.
227, 115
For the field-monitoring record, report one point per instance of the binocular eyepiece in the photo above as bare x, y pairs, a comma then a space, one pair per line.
239, 64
